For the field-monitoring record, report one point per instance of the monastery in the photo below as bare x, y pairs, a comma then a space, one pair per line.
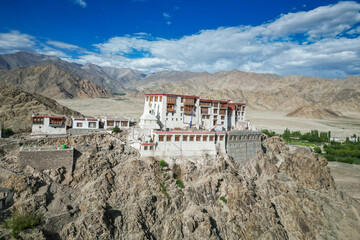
181, 126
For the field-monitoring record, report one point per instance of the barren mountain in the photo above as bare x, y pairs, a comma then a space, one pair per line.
16, 108
260, 91
311, 111
270, 91
112, 193
51, 81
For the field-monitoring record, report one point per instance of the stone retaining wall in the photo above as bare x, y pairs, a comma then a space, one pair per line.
42, 159
242, 145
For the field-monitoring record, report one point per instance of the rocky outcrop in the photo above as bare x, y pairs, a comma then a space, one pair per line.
114, 194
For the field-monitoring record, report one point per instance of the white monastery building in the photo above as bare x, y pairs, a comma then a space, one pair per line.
171, 111
85, 123
110, 123
191, 127
48, 125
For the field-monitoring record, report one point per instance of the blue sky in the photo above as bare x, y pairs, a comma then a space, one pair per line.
319, 38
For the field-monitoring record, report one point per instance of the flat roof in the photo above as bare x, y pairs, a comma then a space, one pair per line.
49, 116
188, 132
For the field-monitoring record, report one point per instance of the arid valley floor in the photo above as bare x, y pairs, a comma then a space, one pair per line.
347, 177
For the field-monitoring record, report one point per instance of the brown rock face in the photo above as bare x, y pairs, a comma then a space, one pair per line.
114, 194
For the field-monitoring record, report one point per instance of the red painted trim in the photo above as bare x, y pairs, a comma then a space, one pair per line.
171, 95
89, 120
53, 117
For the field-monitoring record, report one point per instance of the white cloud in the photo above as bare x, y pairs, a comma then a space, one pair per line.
167, 18
81, 3
62, 45
321, 42
310, 43
15, 41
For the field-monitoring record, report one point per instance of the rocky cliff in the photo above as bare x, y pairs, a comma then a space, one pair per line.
114, 194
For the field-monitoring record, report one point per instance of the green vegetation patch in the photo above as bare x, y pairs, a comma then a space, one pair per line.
162, 163
116, 129
119, 94
20, 221
179, 183
163, 190
223, 199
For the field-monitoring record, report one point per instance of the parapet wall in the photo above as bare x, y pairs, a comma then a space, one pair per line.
242, 145
46, 158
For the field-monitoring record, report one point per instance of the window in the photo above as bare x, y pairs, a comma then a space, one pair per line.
38, 120
171, 99
156, 98
189, 101
221, 137
147, 98
161, 138
205, 138
204, 110
145, 147
222, 117
79, 124
222, 111
182, 108
185, 138
168, 138
198, 138
176, 119
110, 123
151, 98
92, 124
177, 138
57, 121
124, 123
211, 138
160, 98
191, 138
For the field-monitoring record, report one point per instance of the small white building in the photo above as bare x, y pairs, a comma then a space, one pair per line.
85, 123
110, 123
48, 125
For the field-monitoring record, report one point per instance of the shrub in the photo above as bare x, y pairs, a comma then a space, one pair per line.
180, 183
317, 149
330, 158
223, 199
116, 129
162, 163
163, 190
269, 133
20, 221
